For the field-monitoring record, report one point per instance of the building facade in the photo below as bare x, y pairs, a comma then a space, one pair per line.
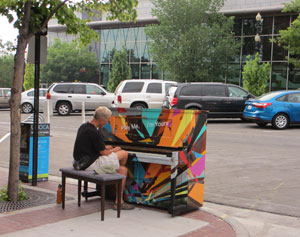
115, 35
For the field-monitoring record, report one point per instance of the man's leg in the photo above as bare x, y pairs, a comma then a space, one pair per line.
122, 156
122, 170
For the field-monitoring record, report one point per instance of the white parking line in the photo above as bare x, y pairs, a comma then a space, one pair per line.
4, 137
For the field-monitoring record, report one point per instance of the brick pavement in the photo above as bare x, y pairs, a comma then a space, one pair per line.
29, 218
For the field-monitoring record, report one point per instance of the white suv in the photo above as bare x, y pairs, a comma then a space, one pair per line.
68, 96
141, 93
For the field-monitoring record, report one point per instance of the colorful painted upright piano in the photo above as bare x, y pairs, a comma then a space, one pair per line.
167, 169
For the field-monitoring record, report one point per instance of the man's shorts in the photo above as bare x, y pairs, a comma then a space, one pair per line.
111, 160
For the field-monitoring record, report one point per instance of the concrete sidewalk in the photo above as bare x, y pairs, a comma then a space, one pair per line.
51, 220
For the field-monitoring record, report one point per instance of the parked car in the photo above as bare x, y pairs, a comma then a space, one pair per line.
141, 93
68, 96
5, 97
220, 100
280, 108
169, 96
27, 100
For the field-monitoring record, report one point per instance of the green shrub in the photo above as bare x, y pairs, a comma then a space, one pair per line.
21, 194
256, 75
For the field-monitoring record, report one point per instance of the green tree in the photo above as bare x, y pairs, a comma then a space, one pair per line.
6, 47
29, 77
32, 17
120, 69
289, 38
193, 41
6, 70
68, 62
256, 75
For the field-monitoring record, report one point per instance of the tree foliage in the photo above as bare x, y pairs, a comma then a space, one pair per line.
29, 77
256, 75
6, 47
31, 17
289, 38
120, 69
6, 70
69, 62
193, 41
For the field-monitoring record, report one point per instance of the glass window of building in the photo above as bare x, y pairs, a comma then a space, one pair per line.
293, 78
145, 71
249, 26
248, 47
267, 25
135, 41
233, 73
135, 71
279, 53
281, 23
237, 27
145, 52
156, 72
104, 73
279, 74
266, 47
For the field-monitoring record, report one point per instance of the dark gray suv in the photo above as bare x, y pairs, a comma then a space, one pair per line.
220, 100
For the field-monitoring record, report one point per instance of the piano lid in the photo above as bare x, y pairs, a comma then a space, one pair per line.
152, 127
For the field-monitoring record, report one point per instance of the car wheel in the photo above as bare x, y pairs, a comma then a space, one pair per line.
280, 121
64, 108
261, 124
27, 108
139, 106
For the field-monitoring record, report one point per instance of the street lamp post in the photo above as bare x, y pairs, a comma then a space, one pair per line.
257, 38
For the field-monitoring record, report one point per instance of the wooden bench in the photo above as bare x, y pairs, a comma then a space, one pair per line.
90, 176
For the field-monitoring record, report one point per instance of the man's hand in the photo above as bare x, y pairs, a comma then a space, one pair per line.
115, 149
108, 147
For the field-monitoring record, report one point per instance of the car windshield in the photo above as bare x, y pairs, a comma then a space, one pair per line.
268, 96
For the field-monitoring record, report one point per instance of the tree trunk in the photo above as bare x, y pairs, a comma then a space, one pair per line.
15, 120
15, 110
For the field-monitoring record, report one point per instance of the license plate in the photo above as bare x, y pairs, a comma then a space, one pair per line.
249, 107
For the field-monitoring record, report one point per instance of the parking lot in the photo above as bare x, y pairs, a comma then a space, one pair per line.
246, 166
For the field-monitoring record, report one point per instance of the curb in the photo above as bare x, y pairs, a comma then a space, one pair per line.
239, 229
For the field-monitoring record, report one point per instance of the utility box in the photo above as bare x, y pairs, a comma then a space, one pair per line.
26, 150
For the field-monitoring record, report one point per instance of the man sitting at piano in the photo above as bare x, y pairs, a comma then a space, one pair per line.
90, 151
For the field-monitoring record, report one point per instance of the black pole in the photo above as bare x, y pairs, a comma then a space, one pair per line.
36, 107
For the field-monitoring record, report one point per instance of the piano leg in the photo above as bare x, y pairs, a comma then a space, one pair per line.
175, 159
173, 193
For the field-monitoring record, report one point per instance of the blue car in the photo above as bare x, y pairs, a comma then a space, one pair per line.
280, 108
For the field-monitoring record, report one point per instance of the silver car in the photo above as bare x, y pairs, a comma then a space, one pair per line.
72, 96
4, 97
27, 100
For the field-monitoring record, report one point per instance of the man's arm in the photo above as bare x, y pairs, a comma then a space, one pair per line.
109, 149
